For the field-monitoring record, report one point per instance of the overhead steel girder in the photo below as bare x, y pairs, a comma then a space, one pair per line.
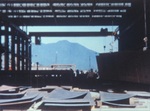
66, 22
69, 34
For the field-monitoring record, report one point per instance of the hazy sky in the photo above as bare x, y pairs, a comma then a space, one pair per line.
94, 43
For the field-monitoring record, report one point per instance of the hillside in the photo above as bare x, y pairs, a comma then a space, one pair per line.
64, 52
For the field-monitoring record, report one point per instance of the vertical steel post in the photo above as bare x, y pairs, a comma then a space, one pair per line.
6, 47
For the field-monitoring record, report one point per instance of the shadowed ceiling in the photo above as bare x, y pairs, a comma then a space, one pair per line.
67, 12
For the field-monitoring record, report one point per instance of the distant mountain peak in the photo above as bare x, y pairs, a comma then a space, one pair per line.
64, 52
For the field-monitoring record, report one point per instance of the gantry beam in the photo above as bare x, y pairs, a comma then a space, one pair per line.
70, 34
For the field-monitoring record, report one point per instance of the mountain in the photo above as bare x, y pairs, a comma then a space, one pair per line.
64, 52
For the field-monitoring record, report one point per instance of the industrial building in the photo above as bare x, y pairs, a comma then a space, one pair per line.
131, 17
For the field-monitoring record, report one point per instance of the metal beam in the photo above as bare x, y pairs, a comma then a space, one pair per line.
70, 34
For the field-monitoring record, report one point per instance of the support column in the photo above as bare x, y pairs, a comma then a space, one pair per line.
18, 52
30, 46
13, 49
0, 49
22, 53
27, 54
6, 48
148, 21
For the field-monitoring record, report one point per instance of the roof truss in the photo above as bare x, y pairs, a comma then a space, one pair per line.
59, 12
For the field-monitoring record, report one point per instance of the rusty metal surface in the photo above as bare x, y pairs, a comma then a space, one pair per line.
107, 97
61, 97
26, 97
7, 88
